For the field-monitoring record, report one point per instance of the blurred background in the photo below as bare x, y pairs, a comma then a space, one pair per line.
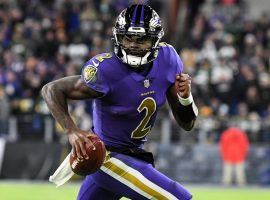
224, 45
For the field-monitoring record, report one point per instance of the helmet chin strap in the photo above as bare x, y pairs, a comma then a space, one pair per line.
134, 61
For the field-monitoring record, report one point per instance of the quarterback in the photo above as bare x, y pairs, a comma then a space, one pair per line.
128, 86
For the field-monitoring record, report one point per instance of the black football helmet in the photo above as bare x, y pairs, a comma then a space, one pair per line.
141, 21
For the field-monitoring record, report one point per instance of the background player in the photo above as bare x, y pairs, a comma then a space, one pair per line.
128, 86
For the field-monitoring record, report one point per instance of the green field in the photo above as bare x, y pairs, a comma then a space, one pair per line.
46, 191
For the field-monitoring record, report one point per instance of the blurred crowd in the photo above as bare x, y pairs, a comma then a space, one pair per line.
225, 52
228, 55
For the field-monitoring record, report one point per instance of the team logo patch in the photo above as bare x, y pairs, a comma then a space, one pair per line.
146, 83
89, 73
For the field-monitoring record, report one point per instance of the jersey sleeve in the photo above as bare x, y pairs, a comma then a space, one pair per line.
172, 61
93, 74
175, 62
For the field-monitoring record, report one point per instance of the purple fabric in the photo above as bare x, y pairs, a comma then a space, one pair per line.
111, 185
91, 191
115, 115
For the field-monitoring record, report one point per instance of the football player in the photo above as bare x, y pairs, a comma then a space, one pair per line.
128, 86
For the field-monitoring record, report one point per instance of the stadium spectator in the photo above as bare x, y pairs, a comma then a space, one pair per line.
234, 146
188, 10
4, 112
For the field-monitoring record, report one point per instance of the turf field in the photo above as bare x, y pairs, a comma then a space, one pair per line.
46, 191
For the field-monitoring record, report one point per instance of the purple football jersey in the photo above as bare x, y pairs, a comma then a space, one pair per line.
125, 114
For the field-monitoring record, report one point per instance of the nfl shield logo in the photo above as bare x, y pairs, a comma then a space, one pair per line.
146, 83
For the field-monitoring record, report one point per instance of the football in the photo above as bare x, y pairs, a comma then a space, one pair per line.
96, 158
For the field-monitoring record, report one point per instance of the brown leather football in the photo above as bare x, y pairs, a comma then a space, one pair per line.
96, 158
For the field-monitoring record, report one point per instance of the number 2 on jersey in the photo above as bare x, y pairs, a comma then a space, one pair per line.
150, 106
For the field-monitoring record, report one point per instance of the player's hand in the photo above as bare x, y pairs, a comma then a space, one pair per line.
183, 85
77, 139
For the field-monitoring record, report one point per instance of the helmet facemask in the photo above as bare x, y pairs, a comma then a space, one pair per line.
148, 31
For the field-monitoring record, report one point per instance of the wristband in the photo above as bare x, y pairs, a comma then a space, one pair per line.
185, 101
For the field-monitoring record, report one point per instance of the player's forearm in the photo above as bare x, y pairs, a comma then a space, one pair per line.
184, 112
185, 115
57, 92
56, 101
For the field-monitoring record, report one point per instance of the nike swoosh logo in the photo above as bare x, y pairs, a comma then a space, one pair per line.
95, 64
